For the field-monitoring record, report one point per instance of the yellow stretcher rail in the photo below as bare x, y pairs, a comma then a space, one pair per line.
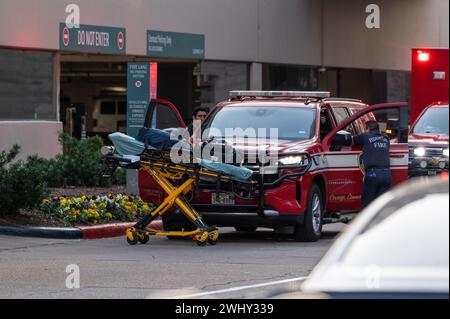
179, 179
176, 180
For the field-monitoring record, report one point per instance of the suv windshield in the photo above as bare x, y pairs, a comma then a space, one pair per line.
434, 120
291, 123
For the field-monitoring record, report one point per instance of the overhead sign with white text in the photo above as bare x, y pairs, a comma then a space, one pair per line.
91, 38
175, 44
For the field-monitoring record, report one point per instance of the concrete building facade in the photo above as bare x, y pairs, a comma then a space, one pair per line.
251, 44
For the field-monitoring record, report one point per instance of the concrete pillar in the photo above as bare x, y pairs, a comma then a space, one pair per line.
256, 76
57, 85
398, 86
132, 182
34, 137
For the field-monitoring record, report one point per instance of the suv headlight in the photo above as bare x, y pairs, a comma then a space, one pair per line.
293, 160
445, 152
420, 151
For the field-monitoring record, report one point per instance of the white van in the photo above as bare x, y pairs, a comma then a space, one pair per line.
109, 115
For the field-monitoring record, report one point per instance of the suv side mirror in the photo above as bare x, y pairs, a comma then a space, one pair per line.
341, 138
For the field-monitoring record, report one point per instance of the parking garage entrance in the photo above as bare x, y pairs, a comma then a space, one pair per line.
93, 91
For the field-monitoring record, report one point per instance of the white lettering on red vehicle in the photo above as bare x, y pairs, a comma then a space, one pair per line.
342, 198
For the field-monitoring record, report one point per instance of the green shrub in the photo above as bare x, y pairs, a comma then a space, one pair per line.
80, 160
22, 184
119, 177
51, 169
6, 158
78, 165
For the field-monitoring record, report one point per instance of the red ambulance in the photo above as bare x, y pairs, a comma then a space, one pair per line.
428, 140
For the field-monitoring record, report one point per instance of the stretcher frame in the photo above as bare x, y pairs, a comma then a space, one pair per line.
176, 180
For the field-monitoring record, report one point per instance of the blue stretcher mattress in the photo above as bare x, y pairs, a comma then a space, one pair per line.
126, 145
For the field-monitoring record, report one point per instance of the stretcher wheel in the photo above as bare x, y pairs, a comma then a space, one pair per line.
201, 239
132, 241
201, 243
213, 237
144, 239
131, 236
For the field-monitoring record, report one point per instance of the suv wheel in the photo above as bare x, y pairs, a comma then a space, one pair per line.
311, 229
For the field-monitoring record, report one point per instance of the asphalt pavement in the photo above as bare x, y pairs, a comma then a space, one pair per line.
241, 265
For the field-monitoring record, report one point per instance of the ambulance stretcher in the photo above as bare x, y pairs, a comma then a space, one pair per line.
177, 180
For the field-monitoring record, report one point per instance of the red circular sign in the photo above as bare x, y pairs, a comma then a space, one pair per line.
120, 40
66, 36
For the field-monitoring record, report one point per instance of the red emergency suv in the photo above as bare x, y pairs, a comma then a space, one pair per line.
428, 141
316, 177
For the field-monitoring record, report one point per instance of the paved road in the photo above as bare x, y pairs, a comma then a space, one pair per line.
109, 268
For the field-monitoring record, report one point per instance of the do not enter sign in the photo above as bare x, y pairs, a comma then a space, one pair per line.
120, 40
66, 37
91, 38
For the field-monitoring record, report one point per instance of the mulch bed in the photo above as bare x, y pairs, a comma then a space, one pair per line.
80, 191
37, 218
33, 218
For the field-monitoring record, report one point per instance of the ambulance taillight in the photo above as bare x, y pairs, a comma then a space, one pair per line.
423, 56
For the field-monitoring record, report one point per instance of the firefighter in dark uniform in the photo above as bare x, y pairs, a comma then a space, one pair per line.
377, 178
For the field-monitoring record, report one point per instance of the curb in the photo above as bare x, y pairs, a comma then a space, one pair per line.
82, 232
104, 231
42, 232
112, 230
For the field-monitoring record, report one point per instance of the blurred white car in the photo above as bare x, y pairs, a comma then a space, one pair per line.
398, 247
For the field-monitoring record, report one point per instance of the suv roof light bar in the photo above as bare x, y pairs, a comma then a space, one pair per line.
290, 94
342, 99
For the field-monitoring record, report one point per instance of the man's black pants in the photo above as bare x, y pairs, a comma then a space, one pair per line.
375, 183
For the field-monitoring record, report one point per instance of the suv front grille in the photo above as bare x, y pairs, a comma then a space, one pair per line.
433, 159
429, 152
268, 178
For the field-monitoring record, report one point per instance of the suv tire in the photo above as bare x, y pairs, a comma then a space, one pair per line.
311, 229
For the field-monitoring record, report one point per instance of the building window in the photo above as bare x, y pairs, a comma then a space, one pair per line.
218, 78
289, 77
108, 108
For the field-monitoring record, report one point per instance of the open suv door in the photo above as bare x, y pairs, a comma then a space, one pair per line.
161, 114
345, 174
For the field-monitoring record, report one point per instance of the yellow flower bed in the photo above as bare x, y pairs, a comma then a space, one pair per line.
96, 209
